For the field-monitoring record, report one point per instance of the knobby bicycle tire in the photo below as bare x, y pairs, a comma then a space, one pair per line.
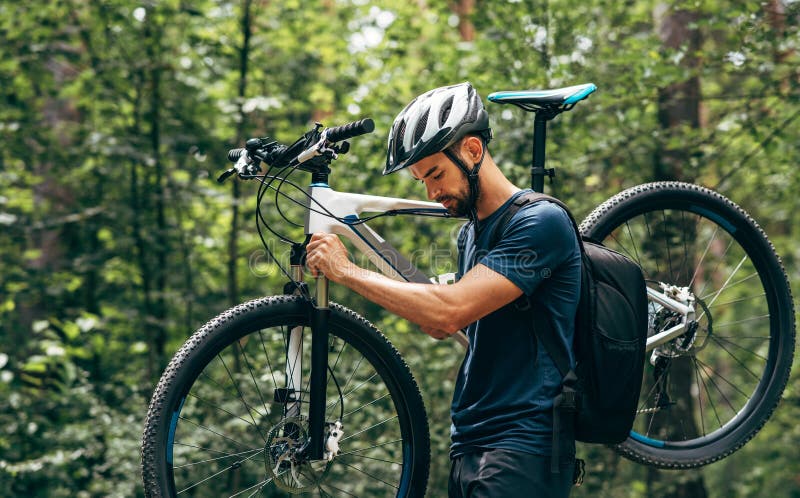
708, 392
217, 424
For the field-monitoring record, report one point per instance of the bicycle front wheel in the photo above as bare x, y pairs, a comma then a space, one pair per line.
709, 391
230, 411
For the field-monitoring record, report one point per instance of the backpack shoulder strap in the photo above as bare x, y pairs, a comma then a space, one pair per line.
522, 200
543, 329
461, 243
563, 206
462, 236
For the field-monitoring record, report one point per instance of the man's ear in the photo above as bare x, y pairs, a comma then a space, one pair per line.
472, 148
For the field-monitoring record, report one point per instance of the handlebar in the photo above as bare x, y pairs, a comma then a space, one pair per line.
350, 130
235, 154
313, 144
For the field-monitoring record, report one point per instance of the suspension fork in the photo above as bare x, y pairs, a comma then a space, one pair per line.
320, 313
294, 351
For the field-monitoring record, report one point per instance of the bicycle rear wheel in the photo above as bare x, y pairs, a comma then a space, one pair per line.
226, 418
709, 391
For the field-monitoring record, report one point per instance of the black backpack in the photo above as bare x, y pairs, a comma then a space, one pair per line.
610, 333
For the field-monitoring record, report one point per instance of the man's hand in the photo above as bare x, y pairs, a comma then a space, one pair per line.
326, 254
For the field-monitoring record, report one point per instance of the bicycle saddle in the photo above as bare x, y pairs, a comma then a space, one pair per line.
531, 100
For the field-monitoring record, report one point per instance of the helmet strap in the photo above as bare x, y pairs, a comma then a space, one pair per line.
472, 179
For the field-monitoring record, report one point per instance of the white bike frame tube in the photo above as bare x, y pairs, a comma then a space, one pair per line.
349, 206
672, 332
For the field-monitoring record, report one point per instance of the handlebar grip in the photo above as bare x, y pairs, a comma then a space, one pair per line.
350, 130
235, 154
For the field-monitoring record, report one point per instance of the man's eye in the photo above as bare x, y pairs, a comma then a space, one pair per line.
438, 176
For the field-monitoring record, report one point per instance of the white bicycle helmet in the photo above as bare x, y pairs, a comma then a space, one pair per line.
434, 121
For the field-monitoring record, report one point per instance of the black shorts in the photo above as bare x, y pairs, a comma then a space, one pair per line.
508, 474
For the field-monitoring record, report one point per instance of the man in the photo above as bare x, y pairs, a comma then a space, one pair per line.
502, 410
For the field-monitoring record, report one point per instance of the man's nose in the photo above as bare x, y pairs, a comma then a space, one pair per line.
433, 191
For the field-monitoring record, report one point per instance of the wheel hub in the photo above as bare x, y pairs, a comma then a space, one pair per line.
661, 319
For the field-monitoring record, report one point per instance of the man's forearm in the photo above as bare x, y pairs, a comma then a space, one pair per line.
424, 304
445, 308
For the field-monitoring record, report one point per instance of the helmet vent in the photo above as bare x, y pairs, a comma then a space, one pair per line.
421, 124
447, 106
401, 132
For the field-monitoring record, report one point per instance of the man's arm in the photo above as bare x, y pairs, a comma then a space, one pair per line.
440, 310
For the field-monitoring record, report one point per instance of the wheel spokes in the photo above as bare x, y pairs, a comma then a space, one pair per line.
723, 370
220, 440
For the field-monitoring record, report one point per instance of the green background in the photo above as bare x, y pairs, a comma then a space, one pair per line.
116, 242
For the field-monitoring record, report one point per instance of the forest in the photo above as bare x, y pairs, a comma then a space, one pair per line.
116, 241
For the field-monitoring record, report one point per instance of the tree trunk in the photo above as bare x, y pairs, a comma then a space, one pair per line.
463, 9
678, 103
678, 109
233, 239
51, 241
776, 14
138, 206
158, 334
92, 253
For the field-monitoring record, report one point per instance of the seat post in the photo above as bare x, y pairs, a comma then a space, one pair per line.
546, 104
539, 138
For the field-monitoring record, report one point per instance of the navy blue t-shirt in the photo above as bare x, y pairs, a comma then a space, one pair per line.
505, 387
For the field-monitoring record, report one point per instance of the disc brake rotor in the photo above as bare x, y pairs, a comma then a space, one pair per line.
285, 467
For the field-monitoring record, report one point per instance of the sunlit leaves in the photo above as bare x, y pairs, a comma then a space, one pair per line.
76, 85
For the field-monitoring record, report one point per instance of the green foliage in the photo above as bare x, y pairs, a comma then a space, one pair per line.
113, 237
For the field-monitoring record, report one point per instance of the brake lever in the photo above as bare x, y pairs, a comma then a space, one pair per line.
242, 162
245, 166
318, 149
225, 175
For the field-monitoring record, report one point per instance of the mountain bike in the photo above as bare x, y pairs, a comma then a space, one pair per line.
296, 394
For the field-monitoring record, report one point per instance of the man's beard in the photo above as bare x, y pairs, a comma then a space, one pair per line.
461, 203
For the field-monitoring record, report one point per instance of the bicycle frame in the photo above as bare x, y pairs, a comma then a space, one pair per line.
392, 263
349, 206
346, 207
339, 214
